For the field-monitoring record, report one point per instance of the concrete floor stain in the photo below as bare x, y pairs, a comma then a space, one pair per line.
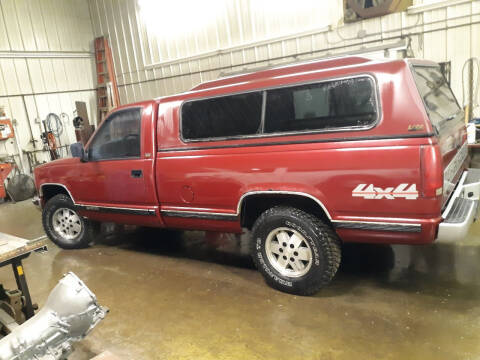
196, 295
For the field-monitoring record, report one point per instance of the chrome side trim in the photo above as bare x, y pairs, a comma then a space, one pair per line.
233, 217
281, 192
378, 220
224, 216
55, 184
378, 226
199, 215
345, 224
375, 222
117, 210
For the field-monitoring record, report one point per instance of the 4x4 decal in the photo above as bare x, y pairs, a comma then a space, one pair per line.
405, 191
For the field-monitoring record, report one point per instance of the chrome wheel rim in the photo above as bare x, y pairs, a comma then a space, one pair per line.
67, 223
288, 252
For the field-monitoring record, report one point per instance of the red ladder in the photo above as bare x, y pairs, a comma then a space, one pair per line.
107, 90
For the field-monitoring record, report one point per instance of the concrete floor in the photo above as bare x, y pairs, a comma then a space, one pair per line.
197, 296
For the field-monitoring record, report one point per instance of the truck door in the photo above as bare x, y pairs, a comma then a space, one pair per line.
117, 177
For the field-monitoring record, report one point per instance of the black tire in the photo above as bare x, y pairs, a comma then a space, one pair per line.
88, 229
319, 238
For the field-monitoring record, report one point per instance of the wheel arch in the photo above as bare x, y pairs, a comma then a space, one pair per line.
252, 204
49, 190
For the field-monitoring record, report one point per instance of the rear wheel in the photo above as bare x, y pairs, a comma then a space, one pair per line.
295, 251
64, 226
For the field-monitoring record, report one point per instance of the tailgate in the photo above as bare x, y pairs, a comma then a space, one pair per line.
447, 121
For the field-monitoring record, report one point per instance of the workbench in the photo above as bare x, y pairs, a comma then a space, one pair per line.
12, 251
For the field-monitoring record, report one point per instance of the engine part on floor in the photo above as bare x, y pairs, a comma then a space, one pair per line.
11, 302
5, 170
70, 313
21, 187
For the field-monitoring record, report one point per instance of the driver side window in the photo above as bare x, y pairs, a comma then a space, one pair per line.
118, 137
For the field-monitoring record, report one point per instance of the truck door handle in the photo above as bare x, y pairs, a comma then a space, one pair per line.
136, 173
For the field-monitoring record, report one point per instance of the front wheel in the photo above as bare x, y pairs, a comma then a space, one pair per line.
295, 251
64, 226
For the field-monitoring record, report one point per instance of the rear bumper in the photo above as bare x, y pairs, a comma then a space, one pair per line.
462, 208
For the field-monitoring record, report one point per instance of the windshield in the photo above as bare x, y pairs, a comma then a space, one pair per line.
437, 96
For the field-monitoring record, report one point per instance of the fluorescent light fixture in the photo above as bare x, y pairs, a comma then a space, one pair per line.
174, 18
287, 7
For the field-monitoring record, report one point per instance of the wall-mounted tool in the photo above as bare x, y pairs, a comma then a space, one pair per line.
48, 136
6, 129
55, 125
32, 138
65, 119
5, 169
17, 144
50, 144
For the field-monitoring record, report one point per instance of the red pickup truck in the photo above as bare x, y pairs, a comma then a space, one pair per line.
306, 156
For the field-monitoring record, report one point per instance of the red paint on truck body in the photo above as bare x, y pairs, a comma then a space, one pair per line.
212, 177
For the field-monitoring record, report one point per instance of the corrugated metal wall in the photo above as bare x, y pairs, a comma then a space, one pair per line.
157, 51
45, 65
152, 59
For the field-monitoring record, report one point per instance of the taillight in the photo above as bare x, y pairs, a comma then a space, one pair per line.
432, 171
